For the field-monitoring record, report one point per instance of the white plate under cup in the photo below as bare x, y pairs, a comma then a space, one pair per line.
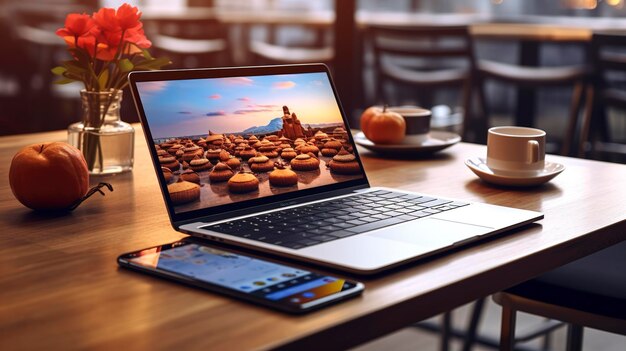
417, 123
516, 149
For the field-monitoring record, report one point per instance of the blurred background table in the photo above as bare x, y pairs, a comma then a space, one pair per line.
61, 288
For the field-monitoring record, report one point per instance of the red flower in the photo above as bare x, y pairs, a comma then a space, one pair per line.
128, 17
125, 18
113, 23
103, 42
87, 43
78, 25
80, 31
108, 44
137, 37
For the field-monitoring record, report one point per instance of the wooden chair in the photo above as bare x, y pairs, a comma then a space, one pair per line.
607, 90
190, 43
423, 59
272, 51
590, 292
530, 78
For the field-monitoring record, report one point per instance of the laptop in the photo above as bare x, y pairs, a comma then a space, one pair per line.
263, 158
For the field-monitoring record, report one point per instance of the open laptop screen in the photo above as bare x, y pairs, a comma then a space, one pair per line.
227, 140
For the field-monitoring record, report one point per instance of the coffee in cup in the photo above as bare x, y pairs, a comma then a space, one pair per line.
417, 123
516, 149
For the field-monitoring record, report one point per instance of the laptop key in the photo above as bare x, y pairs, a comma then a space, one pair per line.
380, 216
369, 212
379, 192
407, 218
419, 214
422, 200
346, 217
390, 195
410, 197
436, 203
375, 225
308, 242
292, 245
458, 204
325, 238
356, 222
344, 225
342, 233
324, 215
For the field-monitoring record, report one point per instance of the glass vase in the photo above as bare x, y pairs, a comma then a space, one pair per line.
106, 142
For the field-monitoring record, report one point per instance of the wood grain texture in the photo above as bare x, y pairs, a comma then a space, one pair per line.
60, 287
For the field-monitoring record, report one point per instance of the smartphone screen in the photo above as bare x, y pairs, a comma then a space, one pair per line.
278, 285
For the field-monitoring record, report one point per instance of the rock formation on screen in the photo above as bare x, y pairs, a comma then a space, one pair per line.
292, 128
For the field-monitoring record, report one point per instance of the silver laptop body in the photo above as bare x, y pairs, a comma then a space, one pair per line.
168, 99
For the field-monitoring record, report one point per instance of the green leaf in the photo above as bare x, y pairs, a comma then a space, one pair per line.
146, 54
75, 71
153, 64
59, 70
73, 76
64, 81
125, 65
103, 79
74, 65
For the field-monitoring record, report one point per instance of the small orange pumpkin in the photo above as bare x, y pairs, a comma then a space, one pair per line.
383, 126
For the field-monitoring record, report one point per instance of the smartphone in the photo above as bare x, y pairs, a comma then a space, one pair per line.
253, 279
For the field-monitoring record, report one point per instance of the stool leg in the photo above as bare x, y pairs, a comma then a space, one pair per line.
472, 329
446, 330
574, 337
507, 333
590, 102
570, 135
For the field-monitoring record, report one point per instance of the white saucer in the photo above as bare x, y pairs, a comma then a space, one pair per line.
436, 140
478, 165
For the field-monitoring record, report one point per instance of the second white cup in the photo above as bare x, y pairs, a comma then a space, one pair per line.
417, 123
516, 149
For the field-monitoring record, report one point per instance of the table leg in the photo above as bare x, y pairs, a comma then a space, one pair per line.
343, 67
526, 97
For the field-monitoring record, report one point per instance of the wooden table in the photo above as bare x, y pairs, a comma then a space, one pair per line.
60, 287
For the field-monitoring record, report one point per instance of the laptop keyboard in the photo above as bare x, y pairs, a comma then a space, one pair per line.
321, 222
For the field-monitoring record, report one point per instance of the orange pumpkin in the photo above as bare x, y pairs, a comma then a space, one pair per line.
382, 126
367, 115
49, 176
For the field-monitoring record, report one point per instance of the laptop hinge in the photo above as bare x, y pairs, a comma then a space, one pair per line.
270, 206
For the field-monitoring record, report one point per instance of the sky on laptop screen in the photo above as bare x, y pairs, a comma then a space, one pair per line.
224, 140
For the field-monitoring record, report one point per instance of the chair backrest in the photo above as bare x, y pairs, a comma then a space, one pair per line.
423, 57
608, 55
303, 44
190, 43
433, 45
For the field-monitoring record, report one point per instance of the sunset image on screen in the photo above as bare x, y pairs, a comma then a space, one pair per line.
225, 140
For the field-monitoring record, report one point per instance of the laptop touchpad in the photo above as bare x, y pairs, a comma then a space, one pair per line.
432, 232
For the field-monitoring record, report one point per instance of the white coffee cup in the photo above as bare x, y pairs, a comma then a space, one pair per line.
417, 123
516, 149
